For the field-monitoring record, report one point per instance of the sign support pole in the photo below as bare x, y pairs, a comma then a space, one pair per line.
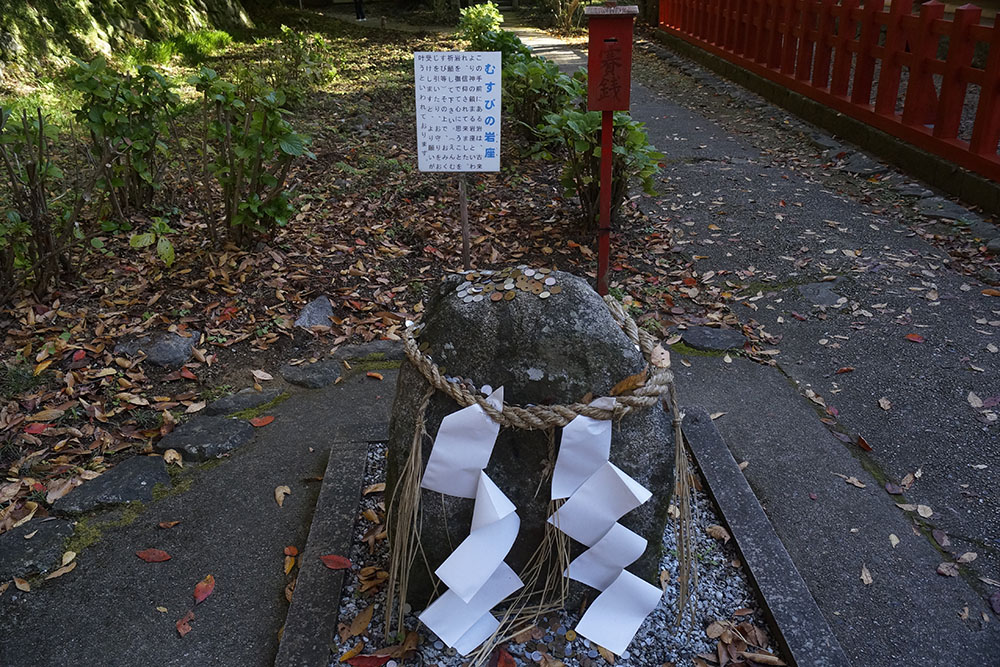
604, 229
463, 203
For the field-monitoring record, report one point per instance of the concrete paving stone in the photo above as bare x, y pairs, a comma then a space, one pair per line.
131, 480
20, 557
860, 164
245, 399
939, 207
918, 190
820, 294
205, 438
713, 338
313, 375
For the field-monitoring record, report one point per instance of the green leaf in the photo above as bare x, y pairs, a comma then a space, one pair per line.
292, 144
142, 240
165, 251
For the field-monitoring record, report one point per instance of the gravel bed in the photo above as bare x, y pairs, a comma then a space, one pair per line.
722, 589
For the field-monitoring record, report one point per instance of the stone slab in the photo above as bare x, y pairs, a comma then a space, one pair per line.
131, 480
245, 399
311, 624
804, 633
313, 376
20, 557
939, 207
387, 350
713, 338
820, 294
204, 438
166, 349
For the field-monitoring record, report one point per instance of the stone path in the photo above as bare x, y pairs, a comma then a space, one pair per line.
115, 609
889, 284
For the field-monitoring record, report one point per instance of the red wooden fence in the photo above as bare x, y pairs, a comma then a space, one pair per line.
831, 51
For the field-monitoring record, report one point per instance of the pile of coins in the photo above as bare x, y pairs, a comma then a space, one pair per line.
504, 285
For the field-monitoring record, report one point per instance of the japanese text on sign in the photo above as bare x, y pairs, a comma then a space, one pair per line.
458, 110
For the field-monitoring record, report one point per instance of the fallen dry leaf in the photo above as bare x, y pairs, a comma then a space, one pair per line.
893, 540
291, 551
660, 357
630, 383
866, 576
173, 456
717, 532
279, 494
204, 588
863, 444
153, 555
195, 407
22, 584
167, 524
760, 658
289, 563
967, 557
373, 374
925, 511
374, 488
914, 338
335, 562
608, 656
368, 660
885, 403
184, 624
261, 375
361, 621
353, 652
61, 571
262, 421
853, 481
989, 291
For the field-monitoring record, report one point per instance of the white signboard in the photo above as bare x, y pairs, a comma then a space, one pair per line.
458, 110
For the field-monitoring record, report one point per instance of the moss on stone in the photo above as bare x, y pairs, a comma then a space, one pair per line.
686, 350
250, 413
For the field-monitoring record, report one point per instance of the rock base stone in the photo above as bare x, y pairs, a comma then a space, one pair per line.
542, 351
20, 557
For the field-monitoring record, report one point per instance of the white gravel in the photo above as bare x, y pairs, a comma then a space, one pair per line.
722, 589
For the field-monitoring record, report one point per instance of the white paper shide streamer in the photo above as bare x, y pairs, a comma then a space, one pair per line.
598, 494
475, 573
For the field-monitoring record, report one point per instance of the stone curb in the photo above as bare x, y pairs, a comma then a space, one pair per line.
926, 166
803, 632
311, 623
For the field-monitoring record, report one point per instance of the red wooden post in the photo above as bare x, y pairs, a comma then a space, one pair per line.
847, 26
609, 63
888, 80
986, 131
757, 26
803, 65
742, 11
953, 84
821, 69
788, 38
865, 69
768, 31
774, 35
726, 32
663, 13
920, 93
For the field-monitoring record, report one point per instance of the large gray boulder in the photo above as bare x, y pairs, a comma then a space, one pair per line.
542, 351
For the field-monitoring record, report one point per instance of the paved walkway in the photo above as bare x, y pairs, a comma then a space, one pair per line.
741, 212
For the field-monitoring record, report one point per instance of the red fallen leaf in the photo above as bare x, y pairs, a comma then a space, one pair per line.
335, 562
989, 291
167, 524
79, 354
863, 444
186, 373
153, 555
845, 369
813, 496
832, 410
38, 486
501, 658
291, 551
36, 428
801, 318
262, 421
915, 338
204, 588
368, 660
893, 489
372, 374
690, 282
183, 626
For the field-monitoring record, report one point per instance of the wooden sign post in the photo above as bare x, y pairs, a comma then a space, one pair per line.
609, 79
458, 118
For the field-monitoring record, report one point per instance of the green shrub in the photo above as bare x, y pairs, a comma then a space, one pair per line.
299, 63
509, 45
533, 88
128, 117
157, 234
477, 20
248, 147
37, 229
578, 133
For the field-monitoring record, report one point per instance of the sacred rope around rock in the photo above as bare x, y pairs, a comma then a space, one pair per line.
544, 591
